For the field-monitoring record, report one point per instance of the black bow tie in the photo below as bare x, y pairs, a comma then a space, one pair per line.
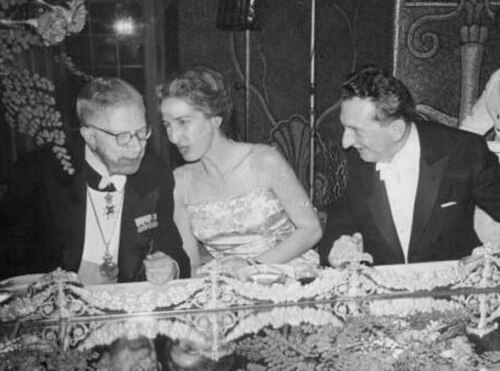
94, 178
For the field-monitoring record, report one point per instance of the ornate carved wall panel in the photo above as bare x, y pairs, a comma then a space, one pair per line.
445, 51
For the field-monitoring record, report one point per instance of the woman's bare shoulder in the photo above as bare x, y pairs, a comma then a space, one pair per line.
267, 156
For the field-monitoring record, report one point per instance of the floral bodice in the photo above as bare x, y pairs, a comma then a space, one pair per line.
244, 225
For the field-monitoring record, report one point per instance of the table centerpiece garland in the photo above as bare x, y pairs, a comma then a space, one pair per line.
60, 294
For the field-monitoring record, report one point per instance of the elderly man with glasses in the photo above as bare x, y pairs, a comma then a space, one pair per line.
112, 219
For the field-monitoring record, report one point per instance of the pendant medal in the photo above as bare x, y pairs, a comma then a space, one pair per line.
108, 268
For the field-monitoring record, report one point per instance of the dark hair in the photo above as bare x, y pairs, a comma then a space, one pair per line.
391, 97
103, 93
203, 88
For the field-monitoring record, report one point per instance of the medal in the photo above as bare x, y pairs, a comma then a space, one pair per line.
108, 269
110, 208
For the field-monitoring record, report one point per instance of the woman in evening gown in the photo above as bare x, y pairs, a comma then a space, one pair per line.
241, 201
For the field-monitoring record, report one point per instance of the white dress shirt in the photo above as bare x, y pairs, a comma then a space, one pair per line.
400, 177
95, 242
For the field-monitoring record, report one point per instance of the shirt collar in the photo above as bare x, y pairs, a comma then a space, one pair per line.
99, 167
409, 155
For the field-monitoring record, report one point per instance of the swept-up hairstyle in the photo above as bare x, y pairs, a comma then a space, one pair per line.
203, 88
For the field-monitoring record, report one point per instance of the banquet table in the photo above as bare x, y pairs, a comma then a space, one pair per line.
432, 316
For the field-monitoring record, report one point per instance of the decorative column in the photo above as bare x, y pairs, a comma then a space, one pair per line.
473, 36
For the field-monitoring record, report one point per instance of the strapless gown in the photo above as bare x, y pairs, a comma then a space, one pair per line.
244, 226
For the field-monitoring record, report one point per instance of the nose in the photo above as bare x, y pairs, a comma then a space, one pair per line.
348, 138
136, 145
173, 134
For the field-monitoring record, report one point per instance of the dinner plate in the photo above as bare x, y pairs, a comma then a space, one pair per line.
263, 274
20, 283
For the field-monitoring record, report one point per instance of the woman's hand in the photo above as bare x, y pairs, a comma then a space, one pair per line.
232, 265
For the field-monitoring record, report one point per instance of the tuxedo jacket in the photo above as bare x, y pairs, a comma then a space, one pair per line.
457, 172
43, 216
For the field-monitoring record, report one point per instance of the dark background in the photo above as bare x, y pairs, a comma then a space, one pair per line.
176, 34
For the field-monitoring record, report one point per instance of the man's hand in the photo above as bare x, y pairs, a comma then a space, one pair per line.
344, 248
160, 268
494, 147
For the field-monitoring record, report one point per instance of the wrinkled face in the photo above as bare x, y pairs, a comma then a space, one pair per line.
126, 159
374, 141
188, 128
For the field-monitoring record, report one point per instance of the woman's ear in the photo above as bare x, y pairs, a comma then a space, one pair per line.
88, 136
216, 121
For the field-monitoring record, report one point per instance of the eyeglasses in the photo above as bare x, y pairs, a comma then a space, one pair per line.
124, 137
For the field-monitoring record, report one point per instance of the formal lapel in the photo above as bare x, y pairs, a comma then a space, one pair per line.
380, 209
126, 252
139, 204
433, 161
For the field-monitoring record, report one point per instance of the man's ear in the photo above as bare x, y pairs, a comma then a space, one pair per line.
88, 136
398, 129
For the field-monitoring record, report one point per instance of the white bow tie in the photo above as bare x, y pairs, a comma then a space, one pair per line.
118, 181
388, 172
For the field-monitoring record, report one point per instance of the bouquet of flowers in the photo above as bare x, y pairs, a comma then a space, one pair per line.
26, 96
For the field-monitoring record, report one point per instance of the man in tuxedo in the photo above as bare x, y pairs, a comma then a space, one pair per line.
112, 220
412, 184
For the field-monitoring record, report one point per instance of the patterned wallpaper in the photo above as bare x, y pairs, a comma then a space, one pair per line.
349, 33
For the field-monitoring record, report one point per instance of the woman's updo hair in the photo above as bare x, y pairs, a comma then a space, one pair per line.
203, 88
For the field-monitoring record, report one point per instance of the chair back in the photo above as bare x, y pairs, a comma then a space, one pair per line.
292, 138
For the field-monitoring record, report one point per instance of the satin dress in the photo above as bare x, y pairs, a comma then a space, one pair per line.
245, 225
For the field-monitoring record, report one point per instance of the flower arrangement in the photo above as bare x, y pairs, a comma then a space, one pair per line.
28, 98
423, 341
